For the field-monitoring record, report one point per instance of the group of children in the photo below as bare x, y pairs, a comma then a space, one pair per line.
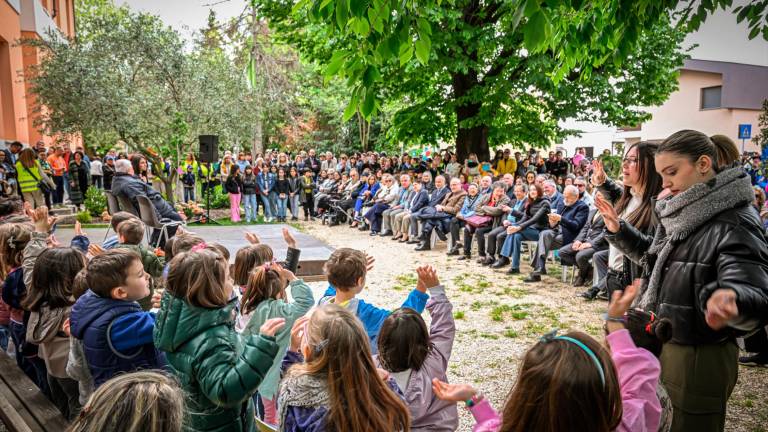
233, 344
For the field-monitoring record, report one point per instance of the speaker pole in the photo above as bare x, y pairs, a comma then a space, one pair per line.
206, 220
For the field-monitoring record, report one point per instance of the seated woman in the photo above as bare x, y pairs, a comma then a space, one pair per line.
534, 221
490, 206
384, 198
327, 188
365, 196
467, 210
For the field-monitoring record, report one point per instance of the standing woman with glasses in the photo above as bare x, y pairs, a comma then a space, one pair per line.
628, 215
707, 271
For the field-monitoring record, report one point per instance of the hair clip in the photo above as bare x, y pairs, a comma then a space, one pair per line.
11, 241
198, 247
320, 346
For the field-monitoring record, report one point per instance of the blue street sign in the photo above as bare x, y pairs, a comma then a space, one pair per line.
745, 131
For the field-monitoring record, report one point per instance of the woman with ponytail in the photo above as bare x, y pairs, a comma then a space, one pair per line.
265, 298
707, 272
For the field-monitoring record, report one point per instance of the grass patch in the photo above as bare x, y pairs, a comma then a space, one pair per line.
476, 305
489, 336
471, 283
407, 279
510, 333
458, 315
516, 312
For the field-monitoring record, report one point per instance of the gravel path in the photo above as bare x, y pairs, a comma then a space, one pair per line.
498, 317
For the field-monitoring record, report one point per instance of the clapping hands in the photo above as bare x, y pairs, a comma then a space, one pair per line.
427, 278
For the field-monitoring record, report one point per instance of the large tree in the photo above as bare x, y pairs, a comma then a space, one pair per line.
481, 73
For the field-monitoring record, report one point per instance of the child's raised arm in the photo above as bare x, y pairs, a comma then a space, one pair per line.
301, 293
443, 328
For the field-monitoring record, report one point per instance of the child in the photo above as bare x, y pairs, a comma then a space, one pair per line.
282, 188
219, 370
331, 382
131, 234
14, 237
188, 180
234, 187
265, 298
49, 299
116, 220
414, 356
346, 269
77, 367
139, 401
307, 193
116, 333
250, 197
571, 382
257, 254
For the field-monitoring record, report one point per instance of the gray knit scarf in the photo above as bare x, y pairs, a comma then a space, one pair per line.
301, 390
683, 214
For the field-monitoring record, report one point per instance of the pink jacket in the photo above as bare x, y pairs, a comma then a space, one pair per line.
638, 372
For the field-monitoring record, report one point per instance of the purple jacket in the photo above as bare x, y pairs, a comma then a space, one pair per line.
638, 371
427, 411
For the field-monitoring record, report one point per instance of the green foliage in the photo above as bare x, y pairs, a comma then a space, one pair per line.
761, 138
612, 165
84, 217
95, 201
219, 198
488, 73
459, 315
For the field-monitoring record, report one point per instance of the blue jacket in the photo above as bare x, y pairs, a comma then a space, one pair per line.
418, 201
436, 198
469, 206
375, 188
265, 180
556, 202
518, 210
116, 335
131, 187
573, 220
373, 317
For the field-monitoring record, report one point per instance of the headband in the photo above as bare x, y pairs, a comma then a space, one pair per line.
549, 337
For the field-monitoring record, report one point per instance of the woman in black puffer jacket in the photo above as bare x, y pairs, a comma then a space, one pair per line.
535, 220
707, 271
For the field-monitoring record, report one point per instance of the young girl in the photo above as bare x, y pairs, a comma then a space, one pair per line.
13, 239
414, 356
250, 195
234, 187
138, 401
257, 254
294, 185
219, 370
572, 383
282, 189
265, 298
49, 300
338, 387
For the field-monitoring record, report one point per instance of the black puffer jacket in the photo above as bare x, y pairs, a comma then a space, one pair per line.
536, 215
632, 242
729, 251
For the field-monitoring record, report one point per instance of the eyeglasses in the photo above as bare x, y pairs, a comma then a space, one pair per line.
581, 185
629, 161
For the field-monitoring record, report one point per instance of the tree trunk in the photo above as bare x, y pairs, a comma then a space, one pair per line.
258, 138
472, 139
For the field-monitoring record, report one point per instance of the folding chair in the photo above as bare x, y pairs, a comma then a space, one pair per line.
148, 215
112, 207
126, 204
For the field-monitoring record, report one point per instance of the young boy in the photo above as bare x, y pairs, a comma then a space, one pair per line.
116, 220
130, 233
346, 270
115, 332
188, 180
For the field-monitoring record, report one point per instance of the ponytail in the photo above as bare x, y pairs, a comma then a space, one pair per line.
264, 283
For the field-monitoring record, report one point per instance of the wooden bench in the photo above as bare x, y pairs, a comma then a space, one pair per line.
23, 408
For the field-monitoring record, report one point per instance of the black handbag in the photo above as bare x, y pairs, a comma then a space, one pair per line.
44, 187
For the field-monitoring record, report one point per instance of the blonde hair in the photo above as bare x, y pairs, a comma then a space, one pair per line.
141, 401
199, 278
13, 239
341, 354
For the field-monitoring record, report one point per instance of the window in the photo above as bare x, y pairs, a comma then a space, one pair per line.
710, 97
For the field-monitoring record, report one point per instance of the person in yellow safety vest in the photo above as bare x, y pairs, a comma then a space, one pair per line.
507, 164
30, 175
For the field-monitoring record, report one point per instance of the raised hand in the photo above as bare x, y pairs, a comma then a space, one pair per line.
621, 301
79, 229
610, 217
297, 333
252, 238
157, 298
598, 173
284, 272
369, 262
272, 326
289, 239
453, 392
427, 278
95, 249
721, 308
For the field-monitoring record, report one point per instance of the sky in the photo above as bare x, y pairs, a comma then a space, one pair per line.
186, 16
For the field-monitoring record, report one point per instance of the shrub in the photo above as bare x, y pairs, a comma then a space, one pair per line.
219, 198
95, 201
84, 217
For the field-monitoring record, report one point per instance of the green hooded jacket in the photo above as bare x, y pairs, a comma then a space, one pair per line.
218, 369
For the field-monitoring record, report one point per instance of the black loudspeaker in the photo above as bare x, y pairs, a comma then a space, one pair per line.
209, 148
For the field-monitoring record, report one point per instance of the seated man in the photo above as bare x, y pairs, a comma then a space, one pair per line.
400, 205
566, 223
129, 186
495, 239
385, 197
402, 228
440, 215
471, 201
591, 239
550, 192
